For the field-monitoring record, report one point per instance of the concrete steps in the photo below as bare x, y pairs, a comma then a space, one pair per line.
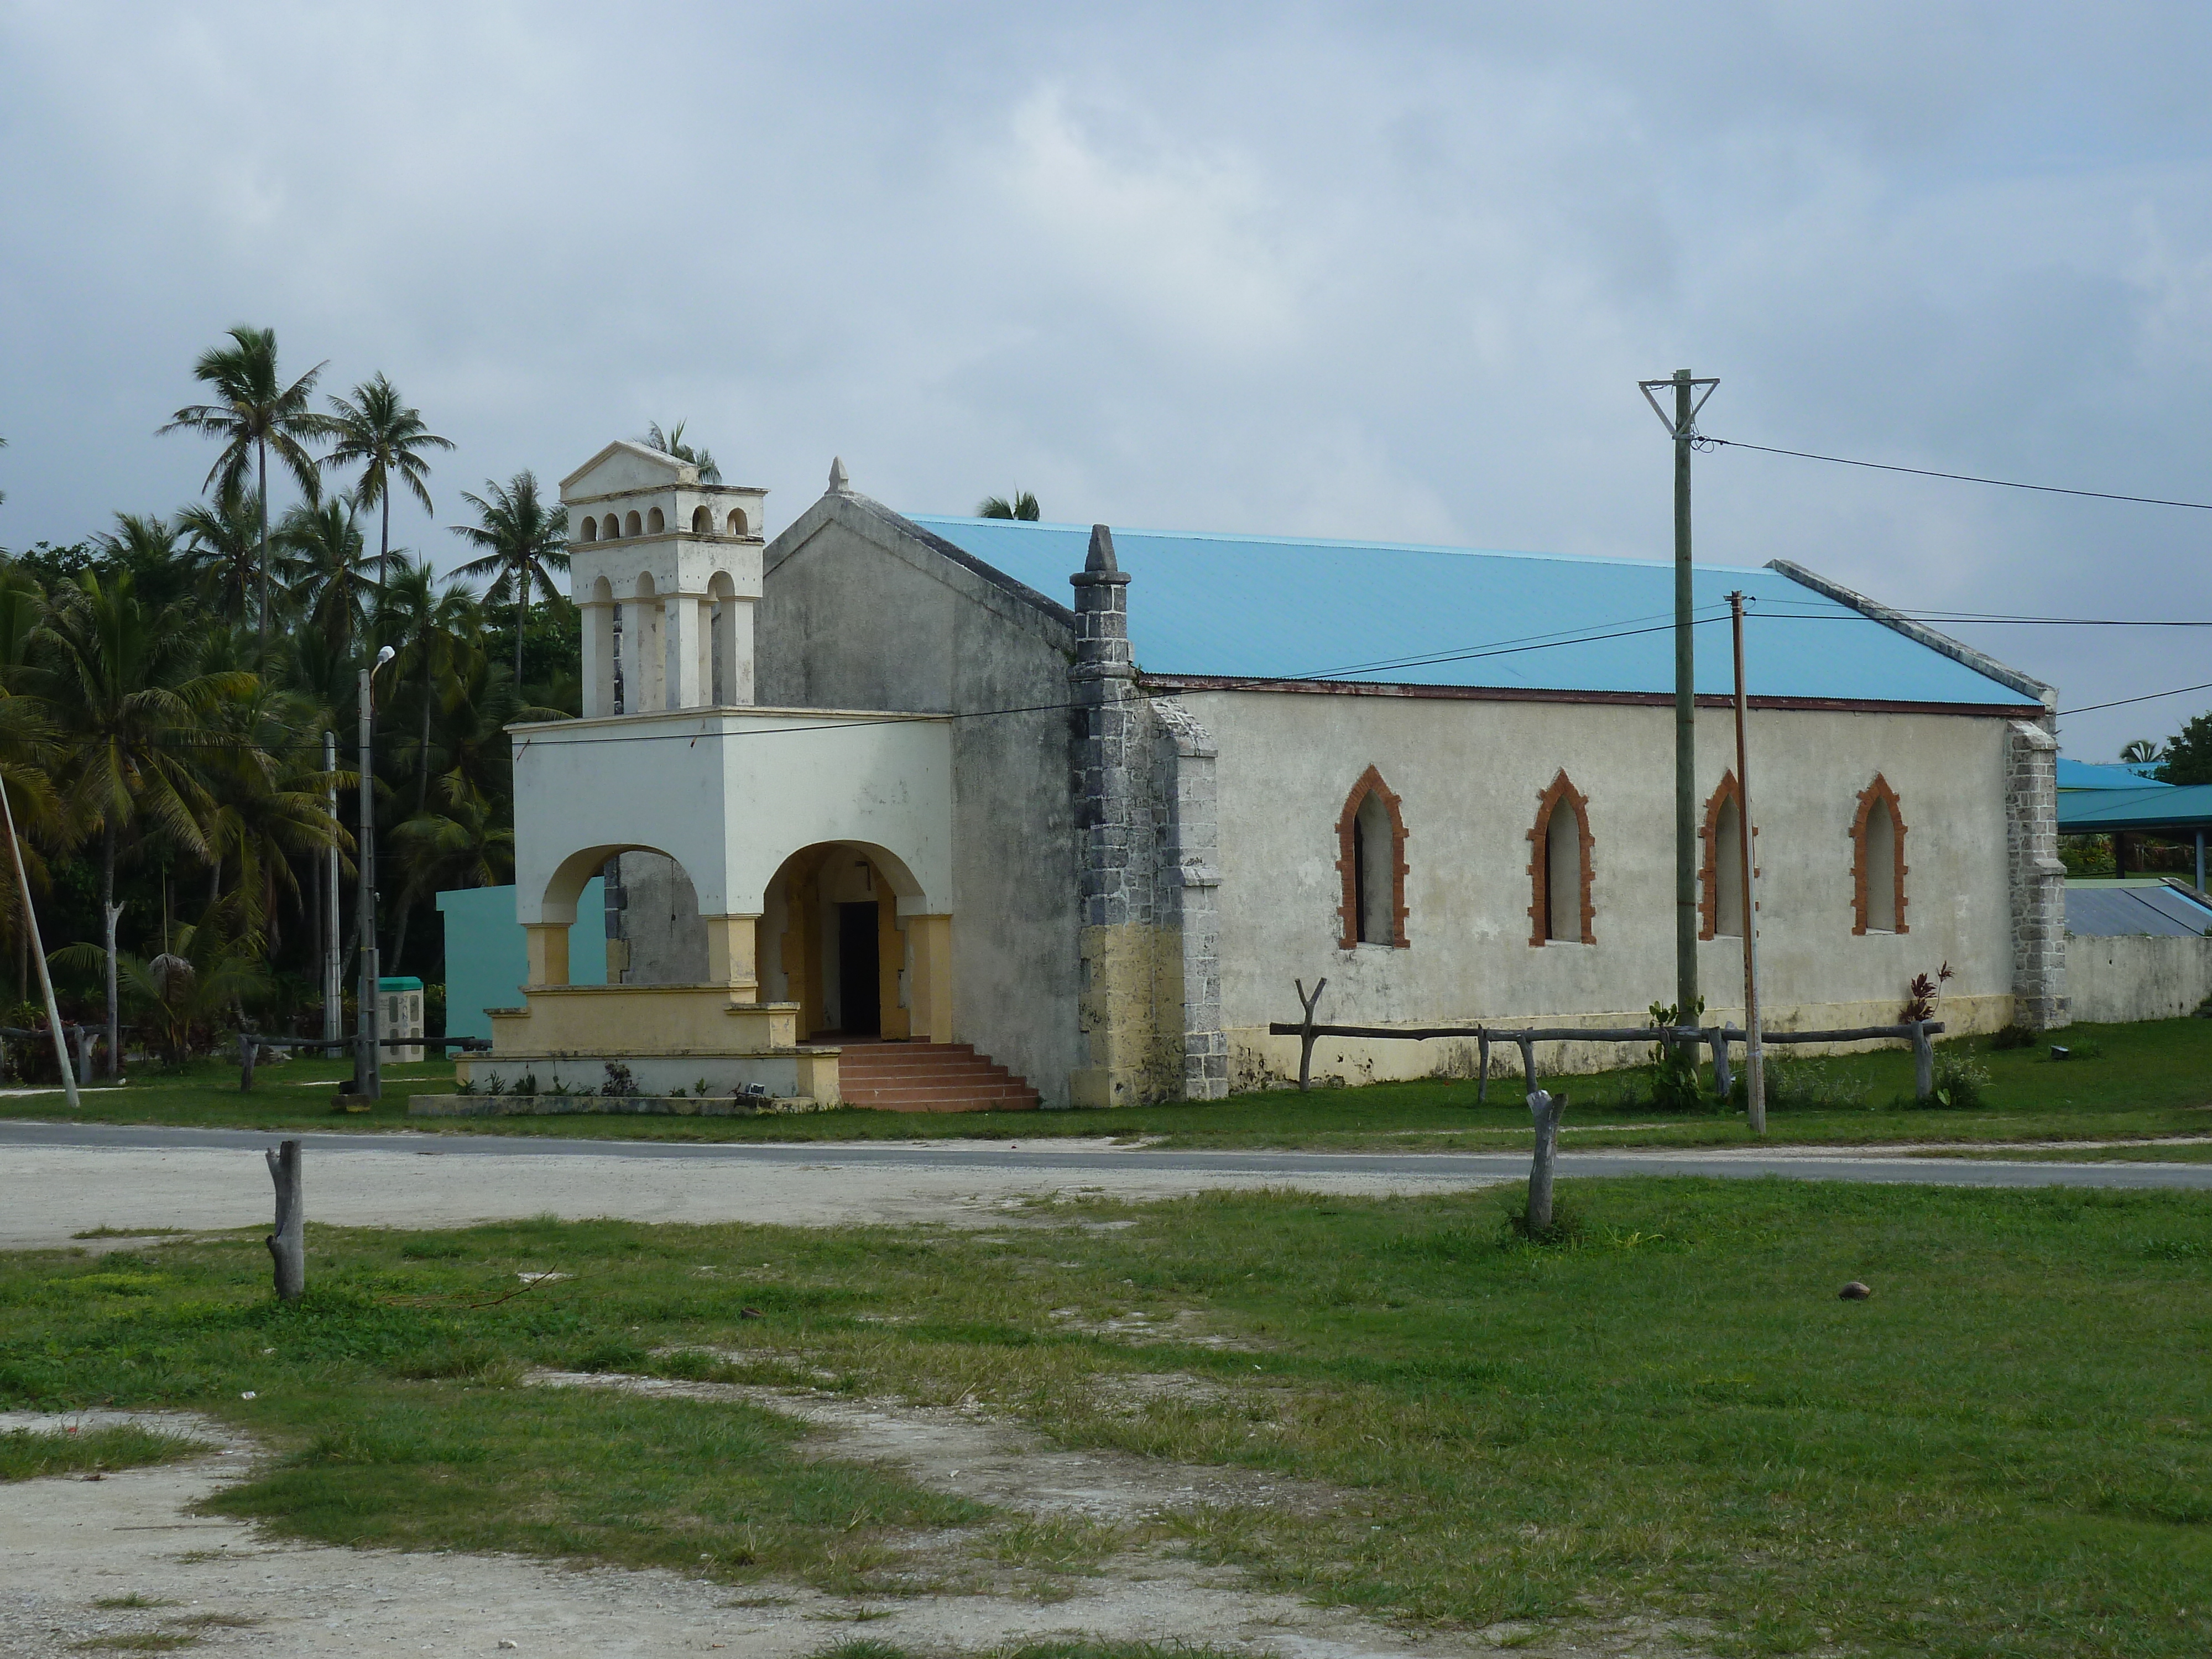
929, 1077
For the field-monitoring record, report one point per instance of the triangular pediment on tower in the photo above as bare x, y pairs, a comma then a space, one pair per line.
622, 466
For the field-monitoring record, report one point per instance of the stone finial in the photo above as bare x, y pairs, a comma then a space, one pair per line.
1101, 556
841, 483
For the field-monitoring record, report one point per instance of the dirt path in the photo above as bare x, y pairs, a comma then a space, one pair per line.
67, 1544
49, 1192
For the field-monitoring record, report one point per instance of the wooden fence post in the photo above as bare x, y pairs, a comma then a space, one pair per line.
248, 1044
1528, 1060
1482, 1072
288, 1244
1306, 1030
1923, 1061
1547, 1111
1719, 1037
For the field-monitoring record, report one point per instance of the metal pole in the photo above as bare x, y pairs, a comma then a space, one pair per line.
1686, 720
39, 950
1754, 1058
333, 947
367, 1058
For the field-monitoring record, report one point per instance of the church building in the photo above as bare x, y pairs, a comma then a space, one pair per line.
944, 813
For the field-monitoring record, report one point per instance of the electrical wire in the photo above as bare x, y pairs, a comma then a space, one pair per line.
1704, 442
2121, 702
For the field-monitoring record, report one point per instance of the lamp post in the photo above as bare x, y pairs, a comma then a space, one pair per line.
367, 1055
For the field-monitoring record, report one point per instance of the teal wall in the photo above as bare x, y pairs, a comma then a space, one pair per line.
486, 960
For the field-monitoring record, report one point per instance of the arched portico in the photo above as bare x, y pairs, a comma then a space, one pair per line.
850, 936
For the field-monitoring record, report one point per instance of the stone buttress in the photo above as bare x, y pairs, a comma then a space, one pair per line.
1150, 1006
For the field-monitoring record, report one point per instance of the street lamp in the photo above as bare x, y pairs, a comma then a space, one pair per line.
367, 1054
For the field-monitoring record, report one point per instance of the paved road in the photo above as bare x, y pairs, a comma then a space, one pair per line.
1047, 1159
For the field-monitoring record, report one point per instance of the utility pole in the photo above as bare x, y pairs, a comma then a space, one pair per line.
334, 949
1682, 427
39, 950
1754, 1047
367, 1054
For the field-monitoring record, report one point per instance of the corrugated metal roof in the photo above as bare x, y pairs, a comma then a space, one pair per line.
2098, 775
2109, 912
1284, 608
2154, 806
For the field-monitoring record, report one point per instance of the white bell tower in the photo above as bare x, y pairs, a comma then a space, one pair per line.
683, 561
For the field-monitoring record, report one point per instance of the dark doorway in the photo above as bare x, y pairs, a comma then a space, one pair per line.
858, 987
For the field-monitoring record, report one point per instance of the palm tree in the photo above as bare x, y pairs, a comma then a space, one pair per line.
376, 431
129, 699
524, 542
1023, 506
429, 628
2140, 752
323, 549
146, 546
221, 545
257, 413
672, 443
28, 758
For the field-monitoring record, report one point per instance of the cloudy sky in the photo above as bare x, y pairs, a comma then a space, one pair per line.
1354, 272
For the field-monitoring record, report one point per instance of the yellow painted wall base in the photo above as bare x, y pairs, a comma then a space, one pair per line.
569, 1022
1130, 1012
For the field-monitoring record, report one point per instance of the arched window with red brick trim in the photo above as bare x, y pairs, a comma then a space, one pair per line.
1877, 866
1561, 911
1720, 908
1370, 839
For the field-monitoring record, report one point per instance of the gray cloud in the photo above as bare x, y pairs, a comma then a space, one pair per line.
1298, 270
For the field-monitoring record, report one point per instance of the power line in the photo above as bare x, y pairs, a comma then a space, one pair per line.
1960, 477
2148, 697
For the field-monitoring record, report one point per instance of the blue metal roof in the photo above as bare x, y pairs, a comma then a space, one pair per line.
2099, 774
1267, 607
2153, 807
2108, 912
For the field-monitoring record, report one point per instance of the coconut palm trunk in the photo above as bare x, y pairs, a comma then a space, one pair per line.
262, 623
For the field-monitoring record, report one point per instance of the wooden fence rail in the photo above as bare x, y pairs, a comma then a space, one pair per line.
1919, 1033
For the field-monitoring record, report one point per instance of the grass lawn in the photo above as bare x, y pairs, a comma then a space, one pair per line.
2127, 1082
2004, 1452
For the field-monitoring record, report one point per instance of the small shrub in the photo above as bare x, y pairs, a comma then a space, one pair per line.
2012, 1036
619, 1080
467, 1086
700, 1088
1961, 1082
558, 1088
525, 1085
1676, 1083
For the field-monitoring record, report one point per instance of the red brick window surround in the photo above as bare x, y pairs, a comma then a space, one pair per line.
1877, 866
1370, 843
1558, 853
1721, 871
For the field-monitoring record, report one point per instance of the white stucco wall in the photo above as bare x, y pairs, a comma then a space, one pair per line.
2136, 976
1470, 773
729, 795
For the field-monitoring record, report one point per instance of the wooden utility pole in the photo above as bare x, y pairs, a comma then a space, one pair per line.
38, 952
1682, 427
1754, 1063
333, 948
367, 1054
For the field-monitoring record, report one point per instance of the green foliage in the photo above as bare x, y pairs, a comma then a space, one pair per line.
1021, 504
1962, 1083
2188, 757
1676, 1083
